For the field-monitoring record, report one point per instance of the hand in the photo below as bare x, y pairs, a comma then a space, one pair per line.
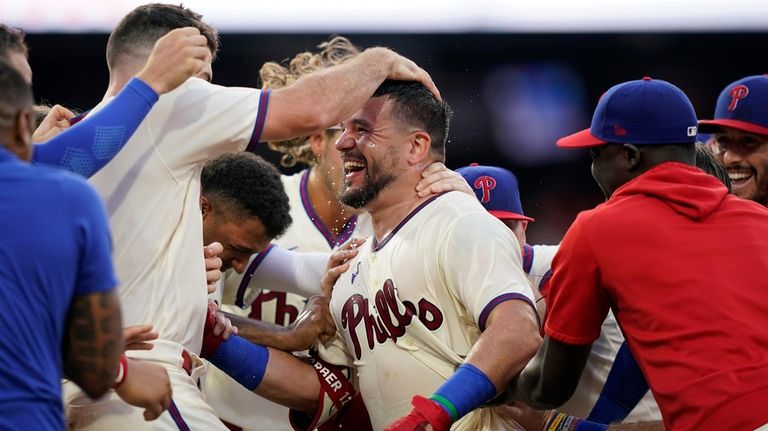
146, 386
436, 178
426, 415
175, 57
403, 69
314, 322
338, 264
223, 326
54, 123
212, 264
137, 337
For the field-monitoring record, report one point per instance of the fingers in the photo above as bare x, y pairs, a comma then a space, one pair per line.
330, 277
223, 326
61, 113
212, 250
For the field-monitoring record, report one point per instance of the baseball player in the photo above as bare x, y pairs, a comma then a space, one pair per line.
497, 189
152, 189
740, 128
655, 246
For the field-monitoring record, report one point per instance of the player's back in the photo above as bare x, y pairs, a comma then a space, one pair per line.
48, 220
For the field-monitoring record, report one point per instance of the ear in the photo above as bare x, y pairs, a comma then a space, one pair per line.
633, 157
316, 145
524, 224
205, 206
21, 134
420, 146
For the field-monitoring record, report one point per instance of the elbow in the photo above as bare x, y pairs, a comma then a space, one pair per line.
96, 388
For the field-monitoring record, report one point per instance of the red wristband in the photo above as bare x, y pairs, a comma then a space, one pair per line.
122, 371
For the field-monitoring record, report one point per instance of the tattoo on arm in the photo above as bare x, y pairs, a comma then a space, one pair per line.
93, 342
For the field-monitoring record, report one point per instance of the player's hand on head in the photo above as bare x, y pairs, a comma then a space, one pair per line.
403, 69
223, 327
436, 178
315, 322
177, 56
146, 386
138, 337
212, 264
338, 264
54, 123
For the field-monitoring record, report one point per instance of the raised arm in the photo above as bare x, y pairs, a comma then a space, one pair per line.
329, 96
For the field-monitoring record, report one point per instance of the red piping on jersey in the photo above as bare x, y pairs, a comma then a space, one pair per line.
176, 416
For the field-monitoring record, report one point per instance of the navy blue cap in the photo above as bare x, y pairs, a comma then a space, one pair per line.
641, 112
742, 105
496, 188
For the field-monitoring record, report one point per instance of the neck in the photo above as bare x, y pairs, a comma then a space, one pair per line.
119, 77
392, 205
332, 213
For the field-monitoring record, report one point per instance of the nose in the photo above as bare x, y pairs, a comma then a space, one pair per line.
345, 141
729, 157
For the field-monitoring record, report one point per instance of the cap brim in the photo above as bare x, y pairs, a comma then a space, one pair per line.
581, 139
712, 126
506, 215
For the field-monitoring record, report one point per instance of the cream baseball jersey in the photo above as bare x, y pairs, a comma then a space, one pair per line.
234, 403
412, 305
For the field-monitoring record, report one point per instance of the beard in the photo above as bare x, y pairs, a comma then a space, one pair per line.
374, 182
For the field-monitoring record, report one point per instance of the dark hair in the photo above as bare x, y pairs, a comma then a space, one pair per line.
250, 187
707, 162
138, 31
15, 93
416, 106
11, 39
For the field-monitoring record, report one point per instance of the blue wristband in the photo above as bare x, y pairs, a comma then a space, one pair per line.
242, 360
622, 391
586, 425
467, 389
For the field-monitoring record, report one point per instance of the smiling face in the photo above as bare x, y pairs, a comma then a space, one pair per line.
370, 149
745, 157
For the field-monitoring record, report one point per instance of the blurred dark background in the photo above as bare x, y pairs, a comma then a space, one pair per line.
513, 94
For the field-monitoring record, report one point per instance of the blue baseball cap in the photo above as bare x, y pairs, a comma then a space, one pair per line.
742, 105
641, 112
495, 188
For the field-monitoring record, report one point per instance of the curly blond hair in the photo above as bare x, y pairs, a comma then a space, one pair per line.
273, 75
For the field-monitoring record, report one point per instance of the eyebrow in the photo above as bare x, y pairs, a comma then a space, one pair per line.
361, 122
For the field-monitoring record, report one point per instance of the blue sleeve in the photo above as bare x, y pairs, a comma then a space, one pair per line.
95, 272
623, 390
90, 144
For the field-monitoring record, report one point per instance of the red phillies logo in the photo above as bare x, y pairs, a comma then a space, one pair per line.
390, 323
486, 184
619, 131
737, 93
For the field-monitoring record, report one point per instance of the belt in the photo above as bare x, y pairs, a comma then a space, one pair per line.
186, 362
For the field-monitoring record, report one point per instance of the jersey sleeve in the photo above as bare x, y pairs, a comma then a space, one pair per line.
200, 121
90, 144
96, 272
576, 304
483, 265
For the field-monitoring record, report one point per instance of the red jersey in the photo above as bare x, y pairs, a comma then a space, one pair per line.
684, 266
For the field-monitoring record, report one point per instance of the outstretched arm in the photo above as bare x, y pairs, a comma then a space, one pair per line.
90, 144
327, 97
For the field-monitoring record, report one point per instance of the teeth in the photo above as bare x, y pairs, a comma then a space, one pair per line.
737, 176
351, 165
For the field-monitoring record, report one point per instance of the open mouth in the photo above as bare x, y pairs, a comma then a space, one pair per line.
353, 169
740, 177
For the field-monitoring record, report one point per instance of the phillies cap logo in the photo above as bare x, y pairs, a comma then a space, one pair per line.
486, 184
737, 93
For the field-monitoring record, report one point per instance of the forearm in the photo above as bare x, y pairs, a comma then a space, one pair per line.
90, 144
259, 332
290, 382
327, 97
93, 342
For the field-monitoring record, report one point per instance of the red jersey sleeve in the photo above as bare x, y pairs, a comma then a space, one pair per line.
577, 304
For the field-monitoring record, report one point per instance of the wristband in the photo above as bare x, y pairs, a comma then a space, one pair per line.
466, 390
242, 360
564, 422
122, 371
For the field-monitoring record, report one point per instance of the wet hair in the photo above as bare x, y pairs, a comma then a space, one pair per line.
247, 186
11, 39
707, 162
15, 94
416, 107
336, 50
138, 31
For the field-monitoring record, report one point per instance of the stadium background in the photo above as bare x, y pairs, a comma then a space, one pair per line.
513, 93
